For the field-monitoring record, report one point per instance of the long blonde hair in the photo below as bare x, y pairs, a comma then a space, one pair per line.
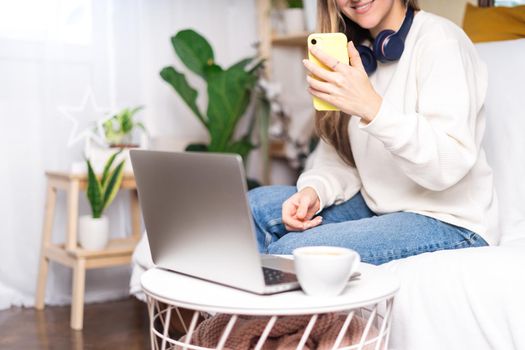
332, 127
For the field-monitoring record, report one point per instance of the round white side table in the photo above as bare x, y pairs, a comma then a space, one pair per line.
370, 297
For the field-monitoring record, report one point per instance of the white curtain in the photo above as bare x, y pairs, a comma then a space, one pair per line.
51, 53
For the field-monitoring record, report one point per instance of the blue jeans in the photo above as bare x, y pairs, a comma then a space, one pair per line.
377, 238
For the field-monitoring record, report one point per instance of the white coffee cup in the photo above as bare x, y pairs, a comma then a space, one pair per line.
324, 271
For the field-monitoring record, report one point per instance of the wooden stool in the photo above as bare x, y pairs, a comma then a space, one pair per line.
117, 252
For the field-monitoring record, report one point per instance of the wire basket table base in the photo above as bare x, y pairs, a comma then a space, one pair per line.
375, 333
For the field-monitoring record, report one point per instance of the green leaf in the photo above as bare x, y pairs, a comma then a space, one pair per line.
212, 70
245, 62
120, 125
126, 123
180, 84
135, 110
228, 98
107, 166
193, 50
258, 65
253, 70
113, 185
94, 192
108, 131
242, 63
263, 115
140, 125
197, 147
295, 4
241, 147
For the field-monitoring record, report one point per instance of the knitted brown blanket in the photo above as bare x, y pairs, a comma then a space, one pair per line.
285, 334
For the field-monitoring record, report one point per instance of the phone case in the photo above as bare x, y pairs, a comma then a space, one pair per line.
333, 44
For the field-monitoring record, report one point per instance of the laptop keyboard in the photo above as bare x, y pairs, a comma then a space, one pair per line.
273, 277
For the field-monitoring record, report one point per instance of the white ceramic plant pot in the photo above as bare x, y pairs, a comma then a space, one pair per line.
98, 155
277, 22
93, 234
293, 21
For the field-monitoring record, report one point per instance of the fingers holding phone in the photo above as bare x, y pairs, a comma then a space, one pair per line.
334, 84
332, 46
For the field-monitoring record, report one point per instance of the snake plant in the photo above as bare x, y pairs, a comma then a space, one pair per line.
101, 192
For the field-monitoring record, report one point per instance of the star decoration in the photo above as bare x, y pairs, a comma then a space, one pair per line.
87, 120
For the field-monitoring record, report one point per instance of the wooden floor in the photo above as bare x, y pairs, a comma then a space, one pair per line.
113, 325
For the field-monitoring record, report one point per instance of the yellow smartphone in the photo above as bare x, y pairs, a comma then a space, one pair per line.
334, 44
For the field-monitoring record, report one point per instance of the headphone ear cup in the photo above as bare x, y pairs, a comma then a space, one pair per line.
393, 48
379, 44
368, 58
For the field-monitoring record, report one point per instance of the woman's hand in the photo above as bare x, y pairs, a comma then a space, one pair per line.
347, 87
299, 209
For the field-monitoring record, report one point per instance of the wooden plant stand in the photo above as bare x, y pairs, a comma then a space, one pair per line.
117, 252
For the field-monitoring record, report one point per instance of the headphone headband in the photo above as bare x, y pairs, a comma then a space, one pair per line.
388, 45
407, 23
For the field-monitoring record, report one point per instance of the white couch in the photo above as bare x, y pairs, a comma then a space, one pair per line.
471, 298
475, 298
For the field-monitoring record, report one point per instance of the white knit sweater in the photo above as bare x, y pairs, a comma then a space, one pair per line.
422, 152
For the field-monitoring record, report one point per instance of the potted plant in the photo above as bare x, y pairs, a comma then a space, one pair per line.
230, 91
310, 14
119, 133
118, 130
93, 233
293, 16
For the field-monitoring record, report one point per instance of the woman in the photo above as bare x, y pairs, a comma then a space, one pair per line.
400, 170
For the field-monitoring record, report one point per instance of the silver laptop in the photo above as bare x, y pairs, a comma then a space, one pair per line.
199, 222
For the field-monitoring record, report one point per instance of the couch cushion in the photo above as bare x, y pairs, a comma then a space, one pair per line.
460, 299
504, 140
494, 23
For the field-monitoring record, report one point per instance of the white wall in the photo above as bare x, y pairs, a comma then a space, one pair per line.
451, 9
127, 46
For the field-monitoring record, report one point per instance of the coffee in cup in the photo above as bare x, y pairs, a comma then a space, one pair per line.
324, 270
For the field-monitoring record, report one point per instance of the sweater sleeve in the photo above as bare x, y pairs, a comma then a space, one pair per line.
332, 179
437, 145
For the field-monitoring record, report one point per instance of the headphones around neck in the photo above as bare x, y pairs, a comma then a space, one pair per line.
388, 46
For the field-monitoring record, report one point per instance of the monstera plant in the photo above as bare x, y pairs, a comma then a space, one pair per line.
230, 91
